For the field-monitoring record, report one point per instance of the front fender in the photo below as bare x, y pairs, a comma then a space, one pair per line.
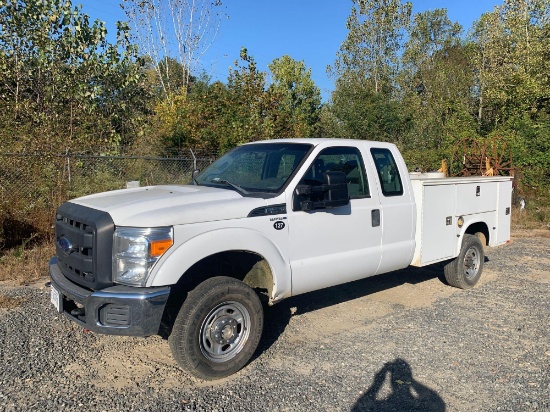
177, 261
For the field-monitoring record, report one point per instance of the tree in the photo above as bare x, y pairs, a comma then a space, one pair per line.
429, 34
364, 114
436, 80
196, 120
299, 100
218, 116
488, 40
63, 84
174, 30
512, 60
246, 115
370, 52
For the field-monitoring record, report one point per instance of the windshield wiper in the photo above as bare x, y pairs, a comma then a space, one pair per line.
233, 185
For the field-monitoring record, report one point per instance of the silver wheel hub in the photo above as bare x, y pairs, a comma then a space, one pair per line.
224, 331
472, 260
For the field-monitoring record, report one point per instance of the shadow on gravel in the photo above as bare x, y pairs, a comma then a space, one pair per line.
277, 317
394, 389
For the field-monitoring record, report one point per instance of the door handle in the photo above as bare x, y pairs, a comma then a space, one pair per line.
375, 217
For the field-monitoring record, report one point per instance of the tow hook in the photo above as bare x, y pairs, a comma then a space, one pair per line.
78, 312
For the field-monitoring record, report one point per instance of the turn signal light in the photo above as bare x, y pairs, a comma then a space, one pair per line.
158, 247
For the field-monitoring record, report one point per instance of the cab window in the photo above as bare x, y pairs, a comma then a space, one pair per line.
340, 159
388, 173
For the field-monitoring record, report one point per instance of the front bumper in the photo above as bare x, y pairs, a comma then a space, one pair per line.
116, 310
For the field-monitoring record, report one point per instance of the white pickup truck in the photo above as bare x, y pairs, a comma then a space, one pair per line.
266, 221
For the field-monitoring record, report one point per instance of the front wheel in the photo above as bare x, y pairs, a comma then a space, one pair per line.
465, 270
217, 328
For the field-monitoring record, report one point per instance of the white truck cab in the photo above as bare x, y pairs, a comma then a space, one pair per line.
266, 221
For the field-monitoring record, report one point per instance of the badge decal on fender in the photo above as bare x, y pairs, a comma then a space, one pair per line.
279, 225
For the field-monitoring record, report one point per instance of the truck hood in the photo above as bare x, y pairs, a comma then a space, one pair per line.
155, 206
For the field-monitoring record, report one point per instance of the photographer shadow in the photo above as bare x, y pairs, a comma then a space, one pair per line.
394, 389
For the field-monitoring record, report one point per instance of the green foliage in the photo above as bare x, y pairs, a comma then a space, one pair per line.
511, 58
216, 117
430, 33
424, 160
530, 144
63, 84
512, 49
432, 88
409, 79
298, 98
194, 119
365, 114
370, 52
329, 125
246, 117
435, 82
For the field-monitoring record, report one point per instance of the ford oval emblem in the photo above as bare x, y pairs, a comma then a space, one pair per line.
65, 245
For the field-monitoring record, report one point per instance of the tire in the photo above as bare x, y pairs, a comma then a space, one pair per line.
217, 329
465, 270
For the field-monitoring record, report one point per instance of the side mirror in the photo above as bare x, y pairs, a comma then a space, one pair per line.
332, 193
337, 193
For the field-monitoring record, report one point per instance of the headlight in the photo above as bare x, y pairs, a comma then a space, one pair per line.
135, 251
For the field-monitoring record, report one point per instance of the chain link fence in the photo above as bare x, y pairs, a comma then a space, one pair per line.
32, 186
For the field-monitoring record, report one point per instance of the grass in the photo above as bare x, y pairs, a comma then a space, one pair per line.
25, 264
531, 219
536, 214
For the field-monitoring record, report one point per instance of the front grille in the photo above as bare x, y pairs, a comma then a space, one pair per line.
84, 239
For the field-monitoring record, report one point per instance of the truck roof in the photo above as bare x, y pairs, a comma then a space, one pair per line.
317, 141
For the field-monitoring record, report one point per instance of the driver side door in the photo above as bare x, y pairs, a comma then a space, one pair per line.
341, 244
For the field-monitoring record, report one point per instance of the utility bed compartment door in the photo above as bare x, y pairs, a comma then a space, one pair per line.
476, 198
503, 213
438, 226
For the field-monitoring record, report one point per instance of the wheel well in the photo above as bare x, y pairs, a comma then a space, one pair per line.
479, 227
248, 267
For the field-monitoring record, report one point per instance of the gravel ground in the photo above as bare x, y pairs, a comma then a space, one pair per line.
400, 341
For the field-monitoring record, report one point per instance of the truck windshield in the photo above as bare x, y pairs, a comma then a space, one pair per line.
260, 167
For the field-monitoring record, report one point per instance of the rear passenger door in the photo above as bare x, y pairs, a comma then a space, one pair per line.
333, 246
397, 210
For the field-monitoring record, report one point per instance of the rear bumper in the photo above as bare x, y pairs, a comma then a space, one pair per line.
116, 310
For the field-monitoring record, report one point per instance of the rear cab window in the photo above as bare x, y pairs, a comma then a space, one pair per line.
388, 173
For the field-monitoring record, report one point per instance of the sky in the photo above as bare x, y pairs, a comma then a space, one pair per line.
307, 30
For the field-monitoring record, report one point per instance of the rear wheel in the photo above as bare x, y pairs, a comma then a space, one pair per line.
465, 270
217, 328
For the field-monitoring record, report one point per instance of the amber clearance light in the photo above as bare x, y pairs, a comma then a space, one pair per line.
158, 247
